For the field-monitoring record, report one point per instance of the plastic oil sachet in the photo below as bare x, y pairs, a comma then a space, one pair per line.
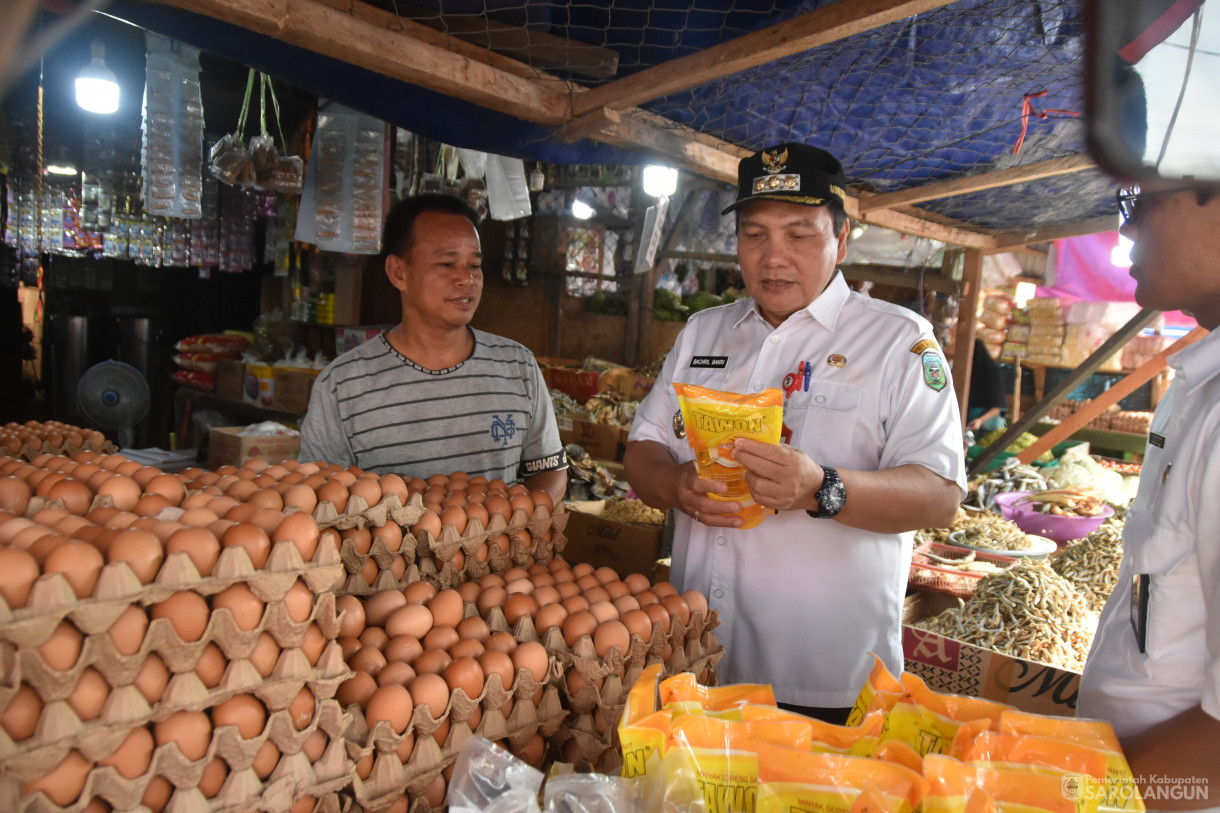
789, 780
961, 787
713, 419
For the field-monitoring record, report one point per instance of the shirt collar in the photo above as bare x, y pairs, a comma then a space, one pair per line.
825, 308
1198, 363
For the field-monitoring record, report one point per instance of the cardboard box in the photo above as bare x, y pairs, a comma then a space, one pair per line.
951, 666
565, 375
230, 378
349, 338
598, 439
292, 388
227, 447
258, 387
601, 542
628, 382
579, 384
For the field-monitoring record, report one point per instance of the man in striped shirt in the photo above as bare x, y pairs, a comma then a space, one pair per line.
433, 395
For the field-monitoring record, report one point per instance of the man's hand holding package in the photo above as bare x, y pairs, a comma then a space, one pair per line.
779, 476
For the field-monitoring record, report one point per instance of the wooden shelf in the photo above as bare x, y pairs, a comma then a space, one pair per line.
187, 401
1101, 438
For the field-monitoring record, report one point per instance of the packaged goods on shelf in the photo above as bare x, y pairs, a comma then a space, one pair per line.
345, 179
173, 130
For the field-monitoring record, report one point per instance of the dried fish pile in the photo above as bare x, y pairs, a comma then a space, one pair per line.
993, 533
589, 481
941, 535
565, 404
1012, 476
1091, 565
1028, 612
654, 369
633, 511
611, 408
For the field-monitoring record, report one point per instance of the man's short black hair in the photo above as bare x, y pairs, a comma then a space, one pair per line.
399, 223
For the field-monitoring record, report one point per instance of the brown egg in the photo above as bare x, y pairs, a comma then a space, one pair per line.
413, 620
551, 615
239, 599
18, 571
266, 652
301, 709
134, 754
141, 550
696, 601
313, 747
492, 580
658, 614
298, 601
393, 704
241, 512
267, 518
446, 608
521, 502
199, 517
431, 692
366, 488
14, 495
124, 491
390, 535
474, 628
432, 662
574, 604
403, 649
469, 591
334, 492
76, 495
575, 682
199, 544
455, 516
440, 638
244, 711
501, 642
638, 623
677, 607
152, 678
420, 592
213, 777
89, 695
542, 499
397, 673
531, 656
211, 666
596, 595
166, 485
313, 644
352, 610
567, 589
646, 597
625, 604
266, 759
379, 606
266, 498
519, 586
610, 635
663, 589
490, 598
156, 795
360, 538
428, 524
301, 496
603, 611
464, 674
63, 784
577, 625
127, 631
187, 612
519, 605
19, 718
497, 505
62, 649
252, 539
356, 690
366, 660
302, 530
498, 663
374, 638
191, 730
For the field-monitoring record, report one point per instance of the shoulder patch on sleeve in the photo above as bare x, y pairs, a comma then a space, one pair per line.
933, 368
922, 345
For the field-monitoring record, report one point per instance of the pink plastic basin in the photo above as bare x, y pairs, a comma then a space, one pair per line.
1052, 526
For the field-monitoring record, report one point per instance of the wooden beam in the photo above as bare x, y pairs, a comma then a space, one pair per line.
810, 30
899, 279
934, 228
1108, 348
978, 182
17, 16
537, 48
398, 54
963, 342
1007, 241
1117, 392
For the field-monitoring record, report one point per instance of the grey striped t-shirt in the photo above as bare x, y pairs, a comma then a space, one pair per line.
489, 415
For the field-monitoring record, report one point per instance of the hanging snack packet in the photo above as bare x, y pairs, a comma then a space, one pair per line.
713, 419
794, 780
1121, 793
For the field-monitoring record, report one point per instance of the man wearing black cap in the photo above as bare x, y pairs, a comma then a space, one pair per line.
871, 447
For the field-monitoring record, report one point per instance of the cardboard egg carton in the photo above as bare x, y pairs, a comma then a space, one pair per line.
52, 599
98, 650
66, 449
294, 777
60, 730
434, 556
390, 778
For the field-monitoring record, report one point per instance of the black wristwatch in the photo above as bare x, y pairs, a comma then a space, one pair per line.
832, 496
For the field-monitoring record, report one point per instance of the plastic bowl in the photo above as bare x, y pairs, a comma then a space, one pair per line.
1052, 526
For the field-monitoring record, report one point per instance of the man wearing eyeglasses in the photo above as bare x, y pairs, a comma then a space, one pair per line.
1154, 670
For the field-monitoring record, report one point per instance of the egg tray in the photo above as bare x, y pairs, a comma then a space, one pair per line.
59, 729
390, 778
52, 599
66, 450
294, 776
27, 664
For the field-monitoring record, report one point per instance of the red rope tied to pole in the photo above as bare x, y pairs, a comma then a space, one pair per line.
1027, 110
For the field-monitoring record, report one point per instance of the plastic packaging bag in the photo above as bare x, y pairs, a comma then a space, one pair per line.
488, 779
589, 793
172, 129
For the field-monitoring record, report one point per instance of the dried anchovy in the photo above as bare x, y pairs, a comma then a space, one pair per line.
565, 404
1091, 565
633, 511
1011, 476
993, 533
611, 408
1029, 611
654, 369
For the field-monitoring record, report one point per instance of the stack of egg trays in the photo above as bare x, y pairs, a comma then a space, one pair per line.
66, 449
594, 714
59, 730
390, 778
533, 538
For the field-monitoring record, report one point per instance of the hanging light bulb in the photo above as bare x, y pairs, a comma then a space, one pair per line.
582, 210
97, 89
61, 164
537, 179
659, 181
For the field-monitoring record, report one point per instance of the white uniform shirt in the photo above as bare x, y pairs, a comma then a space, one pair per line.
1173, 535
803, 601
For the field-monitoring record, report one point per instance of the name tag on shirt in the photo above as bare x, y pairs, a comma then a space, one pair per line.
1156, 440
709, 362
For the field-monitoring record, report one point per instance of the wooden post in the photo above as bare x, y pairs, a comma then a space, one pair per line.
1014, 413
967, 315
1120, 390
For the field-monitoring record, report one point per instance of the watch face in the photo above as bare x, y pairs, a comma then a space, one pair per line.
831, 502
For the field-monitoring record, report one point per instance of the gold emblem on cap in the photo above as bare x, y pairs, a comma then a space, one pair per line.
774, 161
773, 182
837, 360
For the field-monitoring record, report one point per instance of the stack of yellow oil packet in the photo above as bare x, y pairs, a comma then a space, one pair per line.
906, 748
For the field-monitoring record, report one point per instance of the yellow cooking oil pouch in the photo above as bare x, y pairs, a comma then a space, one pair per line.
880, 692
712, 764
713, 419
929, 721
961, 787
828, 738
641, 729
683, 688
1022, 751
789, 779
1121, 793
900, 754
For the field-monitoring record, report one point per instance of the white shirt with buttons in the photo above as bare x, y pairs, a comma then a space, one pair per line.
1172, 535
803, 601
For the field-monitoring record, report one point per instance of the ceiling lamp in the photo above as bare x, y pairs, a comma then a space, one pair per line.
582, 210
97, 89
659, 181
61, 165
